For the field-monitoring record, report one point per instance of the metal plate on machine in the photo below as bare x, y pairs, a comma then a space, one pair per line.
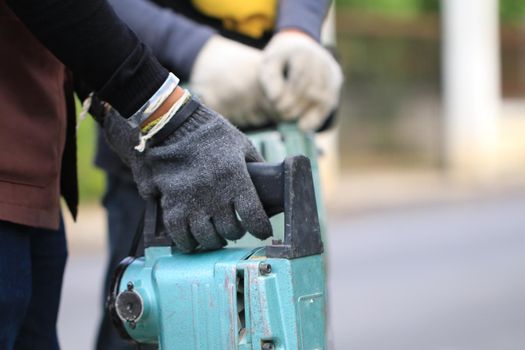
310, 307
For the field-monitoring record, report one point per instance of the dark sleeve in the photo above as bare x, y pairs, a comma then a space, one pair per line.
307, 15
88, 37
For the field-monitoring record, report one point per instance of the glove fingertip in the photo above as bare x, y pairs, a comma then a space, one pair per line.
263, 229
204, 232
252, 155
228, 226
253, 217
179, 233
309, 124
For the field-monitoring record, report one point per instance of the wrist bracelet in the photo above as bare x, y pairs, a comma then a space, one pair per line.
149, 132
154, 102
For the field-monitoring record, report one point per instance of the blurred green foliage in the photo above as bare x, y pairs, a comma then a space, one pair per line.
91, 179
512, 11
393, 7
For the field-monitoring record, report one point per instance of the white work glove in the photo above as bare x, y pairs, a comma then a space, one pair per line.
300, 78
225, 77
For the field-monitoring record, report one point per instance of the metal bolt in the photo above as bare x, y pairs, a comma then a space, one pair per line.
130, 286
265, 268
268, 346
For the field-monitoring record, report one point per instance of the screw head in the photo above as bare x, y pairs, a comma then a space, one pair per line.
130, 286
268, 346
265, 268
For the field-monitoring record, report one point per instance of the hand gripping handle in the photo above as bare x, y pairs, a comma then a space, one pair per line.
268, 180
289, 187
285, 187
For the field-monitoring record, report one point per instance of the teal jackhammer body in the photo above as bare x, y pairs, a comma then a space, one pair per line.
269, 297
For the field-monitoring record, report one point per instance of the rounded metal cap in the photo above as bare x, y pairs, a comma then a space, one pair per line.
129, 306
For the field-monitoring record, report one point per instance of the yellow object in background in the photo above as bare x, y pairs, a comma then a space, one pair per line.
249, 17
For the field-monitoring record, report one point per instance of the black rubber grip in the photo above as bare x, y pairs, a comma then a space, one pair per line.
268, 180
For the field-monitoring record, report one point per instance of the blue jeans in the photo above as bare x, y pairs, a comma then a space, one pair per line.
124, 208
32, 262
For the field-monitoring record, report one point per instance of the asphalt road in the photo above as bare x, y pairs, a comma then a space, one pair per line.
441, 277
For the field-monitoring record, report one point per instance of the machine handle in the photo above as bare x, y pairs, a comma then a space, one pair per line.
268, 180
285, 187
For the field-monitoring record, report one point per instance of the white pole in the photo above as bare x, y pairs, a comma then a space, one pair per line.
471, 81
328, 141
328, 35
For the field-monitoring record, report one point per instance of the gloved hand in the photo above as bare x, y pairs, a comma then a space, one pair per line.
300, 78
199, 173
225, 77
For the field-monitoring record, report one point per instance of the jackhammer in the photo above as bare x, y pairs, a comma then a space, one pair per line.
245, 296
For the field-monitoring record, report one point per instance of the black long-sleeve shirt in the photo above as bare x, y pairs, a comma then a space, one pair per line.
89, 38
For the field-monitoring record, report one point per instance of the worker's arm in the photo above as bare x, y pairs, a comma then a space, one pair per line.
174, 39
299, 77
189, 157
259, 92
241, 97
197, 52
304, 15
90, 39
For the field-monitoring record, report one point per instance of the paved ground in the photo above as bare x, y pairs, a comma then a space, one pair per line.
438, 277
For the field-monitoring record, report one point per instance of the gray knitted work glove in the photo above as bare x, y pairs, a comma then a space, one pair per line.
199, 173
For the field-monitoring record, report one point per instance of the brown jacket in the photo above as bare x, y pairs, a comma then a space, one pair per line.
33, 123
